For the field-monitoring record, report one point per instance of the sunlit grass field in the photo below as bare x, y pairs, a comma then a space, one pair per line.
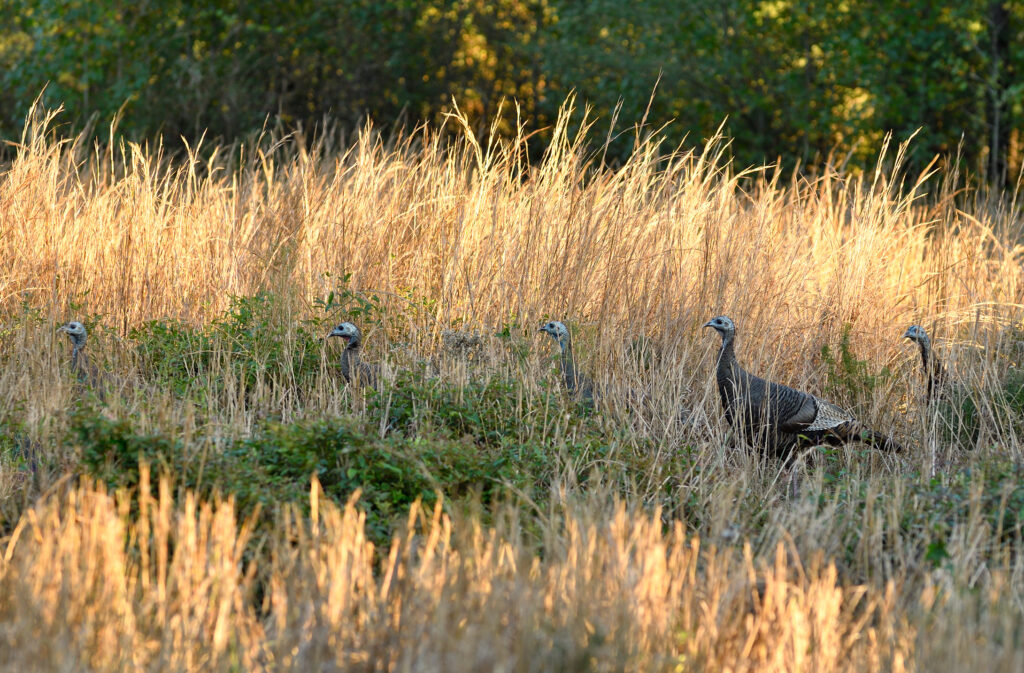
218, 499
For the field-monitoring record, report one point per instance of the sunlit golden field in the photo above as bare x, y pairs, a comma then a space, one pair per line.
165, 516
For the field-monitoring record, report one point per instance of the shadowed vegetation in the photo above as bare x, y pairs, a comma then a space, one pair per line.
816, 84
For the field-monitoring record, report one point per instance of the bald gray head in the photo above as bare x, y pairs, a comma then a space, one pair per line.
349, 332
75, 331
917, 334
723, 326
558, 331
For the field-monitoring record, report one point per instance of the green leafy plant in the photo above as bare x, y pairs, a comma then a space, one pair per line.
253, 338
355, 305
849, 377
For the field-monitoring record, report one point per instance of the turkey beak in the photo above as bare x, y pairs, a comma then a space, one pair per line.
908, 335
707, 324
62, 328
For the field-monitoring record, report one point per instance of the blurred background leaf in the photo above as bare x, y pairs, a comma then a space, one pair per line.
799, 80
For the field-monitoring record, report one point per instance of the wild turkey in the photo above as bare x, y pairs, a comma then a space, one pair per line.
80, 365
953, 410
933, 369
352, 366
777, 416
576, 383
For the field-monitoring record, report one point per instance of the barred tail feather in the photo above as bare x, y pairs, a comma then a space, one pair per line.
855, 432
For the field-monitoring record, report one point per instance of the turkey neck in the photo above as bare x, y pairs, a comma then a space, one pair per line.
349, 359
568, 365
924, 356
929, 370
727, 372
77, 357
932, 369
727, 363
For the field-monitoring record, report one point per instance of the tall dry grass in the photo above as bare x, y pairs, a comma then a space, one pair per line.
452, 234
614, 591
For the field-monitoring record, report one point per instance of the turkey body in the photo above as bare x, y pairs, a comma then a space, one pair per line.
779, 418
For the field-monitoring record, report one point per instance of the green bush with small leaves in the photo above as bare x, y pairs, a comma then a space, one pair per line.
254, 339
849, 377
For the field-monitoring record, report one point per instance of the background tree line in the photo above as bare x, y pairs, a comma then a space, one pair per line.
799, 80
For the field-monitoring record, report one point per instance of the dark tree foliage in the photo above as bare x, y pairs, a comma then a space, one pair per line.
800, 80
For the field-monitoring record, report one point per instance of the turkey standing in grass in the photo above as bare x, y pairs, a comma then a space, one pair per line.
80, 365
954, 410
779, 417
352, 366
576, 383
933, 368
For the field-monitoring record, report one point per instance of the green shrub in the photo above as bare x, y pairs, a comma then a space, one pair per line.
347, 454
932, 509
849, 377
253, 338
111, 450
173, 355
274, 466
486, 411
